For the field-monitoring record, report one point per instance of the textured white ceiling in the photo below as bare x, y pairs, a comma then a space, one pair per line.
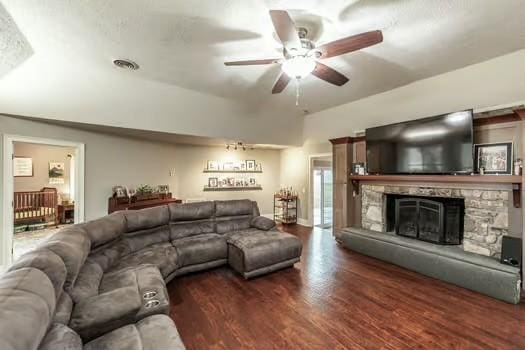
184, 43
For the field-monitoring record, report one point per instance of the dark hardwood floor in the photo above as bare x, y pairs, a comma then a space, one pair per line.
337, 299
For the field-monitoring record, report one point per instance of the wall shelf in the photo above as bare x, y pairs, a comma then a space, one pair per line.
233, 188
233, 171
513, 180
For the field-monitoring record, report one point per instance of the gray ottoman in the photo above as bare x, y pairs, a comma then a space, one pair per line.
262, 252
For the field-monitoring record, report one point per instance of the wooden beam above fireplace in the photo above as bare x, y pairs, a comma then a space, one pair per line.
513, 180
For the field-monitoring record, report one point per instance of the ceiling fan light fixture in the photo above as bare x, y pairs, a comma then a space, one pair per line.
299, 66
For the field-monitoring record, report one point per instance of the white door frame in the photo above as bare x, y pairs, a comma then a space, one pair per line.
311, 158
7, 217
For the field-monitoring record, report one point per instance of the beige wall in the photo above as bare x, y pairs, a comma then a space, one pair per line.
190, 179
495, 82
42, 155
114, 160
295, 165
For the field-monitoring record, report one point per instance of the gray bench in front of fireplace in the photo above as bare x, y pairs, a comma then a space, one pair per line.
448, 263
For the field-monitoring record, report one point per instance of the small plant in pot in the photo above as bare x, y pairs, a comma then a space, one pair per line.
145, 192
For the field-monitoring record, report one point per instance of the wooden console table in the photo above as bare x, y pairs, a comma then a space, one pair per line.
514, 180
135, 203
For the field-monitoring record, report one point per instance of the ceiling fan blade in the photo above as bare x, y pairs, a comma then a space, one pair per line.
253, 62
285, 29
349, 44
329, 74
281, 83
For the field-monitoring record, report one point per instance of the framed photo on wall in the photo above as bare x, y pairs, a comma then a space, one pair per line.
213, 165
494, 158
250, 165
56, 173
22, 167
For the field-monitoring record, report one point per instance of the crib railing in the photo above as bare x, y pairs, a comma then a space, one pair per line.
36, 205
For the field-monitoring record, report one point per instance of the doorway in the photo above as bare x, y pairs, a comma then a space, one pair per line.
44, 190
322, 192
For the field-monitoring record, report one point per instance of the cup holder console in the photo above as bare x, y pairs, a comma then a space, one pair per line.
152, 303
149, 295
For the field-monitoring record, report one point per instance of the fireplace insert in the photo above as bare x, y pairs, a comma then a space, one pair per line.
436, 220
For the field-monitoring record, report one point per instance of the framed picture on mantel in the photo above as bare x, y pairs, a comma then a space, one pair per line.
493, 158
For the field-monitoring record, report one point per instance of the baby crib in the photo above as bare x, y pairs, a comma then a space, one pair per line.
36, 206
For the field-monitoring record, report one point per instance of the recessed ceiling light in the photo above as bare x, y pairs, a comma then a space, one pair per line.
126, 64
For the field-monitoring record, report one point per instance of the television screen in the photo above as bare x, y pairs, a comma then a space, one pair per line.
435, 145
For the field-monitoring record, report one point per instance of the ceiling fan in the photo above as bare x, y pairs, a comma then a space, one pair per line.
301, 56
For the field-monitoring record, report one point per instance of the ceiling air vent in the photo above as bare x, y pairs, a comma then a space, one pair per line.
126, 64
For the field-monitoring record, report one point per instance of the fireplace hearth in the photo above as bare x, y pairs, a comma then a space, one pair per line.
430, 219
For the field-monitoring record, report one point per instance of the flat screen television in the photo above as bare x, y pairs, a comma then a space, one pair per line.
435, 145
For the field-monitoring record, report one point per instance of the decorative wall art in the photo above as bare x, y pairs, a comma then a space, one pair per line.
22, 167
56, 173
493, 158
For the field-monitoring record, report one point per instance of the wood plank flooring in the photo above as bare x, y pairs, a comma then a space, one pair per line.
338, 299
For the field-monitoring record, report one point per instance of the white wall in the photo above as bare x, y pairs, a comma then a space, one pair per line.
495, 82
112, 160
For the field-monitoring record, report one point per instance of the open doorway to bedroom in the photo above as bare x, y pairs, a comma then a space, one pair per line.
44, 191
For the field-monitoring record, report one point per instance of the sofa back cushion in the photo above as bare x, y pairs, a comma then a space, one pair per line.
183, 229
62, 337
144, 219
27, 305
109, 254
87, 282
105, 229
48, 262
191, 211
233, 207
230, 224
72, 245
63, 309
138, 240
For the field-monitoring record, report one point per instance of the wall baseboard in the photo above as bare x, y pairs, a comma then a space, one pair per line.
302, 222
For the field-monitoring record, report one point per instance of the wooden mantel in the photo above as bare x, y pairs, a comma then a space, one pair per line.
513, 180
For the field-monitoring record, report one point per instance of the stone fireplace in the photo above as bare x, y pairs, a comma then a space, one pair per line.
475, 218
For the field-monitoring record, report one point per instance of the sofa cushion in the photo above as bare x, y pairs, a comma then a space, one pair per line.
27, 304
61, 337
147, 218
46, 261
233, 224
162, 255
201, 249
105, 229
72, 245
141, 239
63, 309
233, 207
262, 223
191, 228
87, 282
191, 211
152, 333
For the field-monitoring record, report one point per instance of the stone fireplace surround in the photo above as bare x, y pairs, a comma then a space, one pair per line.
486, 212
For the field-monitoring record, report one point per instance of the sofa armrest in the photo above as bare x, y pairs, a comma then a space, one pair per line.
262, 223
103, 313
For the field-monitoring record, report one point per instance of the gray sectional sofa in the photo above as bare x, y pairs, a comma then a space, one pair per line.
102, 284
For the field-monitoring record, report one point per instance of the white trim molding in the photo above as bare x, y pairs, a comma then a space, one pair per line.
7, 216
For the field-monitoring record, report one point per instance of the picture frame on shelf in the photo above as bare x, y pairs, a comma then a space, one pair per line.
250, 165
242, 166
120, 191
22, 167
213, 182
212, 165
228, 166
253, 181
493, 158
163, 189
258, 167
230, 182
